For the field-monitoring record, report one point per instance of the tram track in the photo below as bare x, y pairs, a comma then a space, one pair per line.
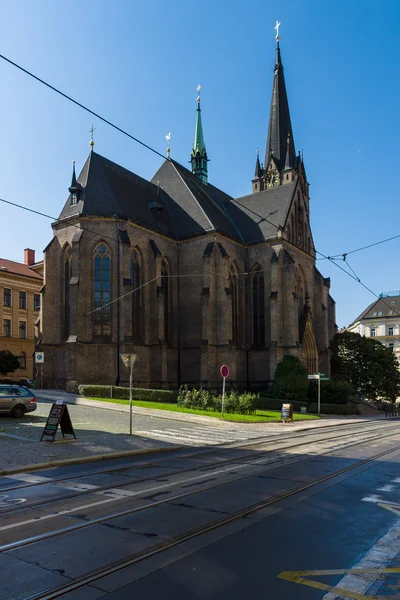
247, 446
197, 532
193, 453
166, 485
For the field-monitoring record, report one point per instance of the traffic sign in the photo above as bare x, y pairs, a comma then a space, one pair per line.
39, 357
313, 376
224, 371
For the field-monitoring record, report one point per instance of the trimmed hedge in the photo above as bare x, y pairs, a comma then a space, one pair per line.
122, 393
241, 404
333, 391
334, 409
276, 404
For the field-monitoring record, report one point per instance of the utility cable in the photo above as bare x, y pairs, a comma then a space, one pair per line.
135, 139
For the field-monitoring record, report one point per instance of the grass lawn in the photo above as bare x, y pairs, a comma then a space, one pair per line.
261, 416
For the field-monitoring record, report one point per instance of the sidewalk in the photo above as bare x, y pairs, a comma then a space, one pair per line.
329, 421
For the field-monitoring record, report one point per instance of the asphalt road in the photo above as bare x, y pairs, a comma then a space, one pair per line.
310, 517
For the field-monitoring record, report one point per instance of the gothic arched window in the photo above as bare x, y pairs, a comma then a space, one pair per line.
166, 299
136, 295
67, 279
102, 291
234, 287
258, 313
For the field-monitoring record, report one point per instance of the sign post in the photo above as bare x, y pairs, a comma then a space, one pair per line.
128, 360
39, 360
319, 377
224, 372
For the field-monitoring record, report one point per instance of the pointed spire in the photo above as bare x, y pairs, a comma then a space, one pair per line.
199, 153
258, 170
75, 187
279, 119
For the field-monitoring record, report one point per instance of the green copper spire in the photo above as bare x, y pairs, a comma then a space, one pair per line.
199, 154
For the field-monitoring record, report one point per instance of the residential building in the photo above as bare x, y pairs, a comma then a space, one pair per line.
20, 285
185, 276
381, 320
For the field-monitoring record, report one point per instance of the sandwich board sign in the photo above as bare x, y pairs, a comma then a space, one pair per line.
287, 413
58, 416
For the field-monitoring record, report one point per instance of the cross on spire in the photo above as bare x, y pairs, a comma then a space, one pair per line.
168, 137
277, 30
91, 131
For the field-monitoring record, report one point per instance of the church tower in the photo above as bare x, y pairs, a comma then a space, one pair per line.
199, 154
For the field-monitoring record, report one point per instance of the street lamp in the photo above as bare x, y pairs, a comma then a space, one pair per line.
128, 360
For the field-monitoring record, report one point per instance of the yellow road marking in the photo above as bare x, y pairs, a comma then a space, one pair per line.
395, 508
297, 577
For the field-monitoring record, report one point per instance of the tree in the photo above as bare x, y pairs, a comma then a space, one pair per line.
8, 362
370, 366
290, 381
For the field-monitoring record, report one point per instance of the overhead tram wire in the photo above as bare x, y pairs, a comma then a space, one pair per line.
334, 256
86, 108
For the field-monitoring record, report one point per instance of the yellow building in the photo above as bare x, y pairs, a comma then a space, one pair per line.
20, 285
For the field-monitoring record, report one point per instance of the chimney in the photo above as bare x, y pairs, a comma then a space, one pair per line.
29, 257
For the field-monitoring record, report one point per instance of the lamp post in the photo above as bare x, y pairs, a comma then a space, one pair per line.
129, 359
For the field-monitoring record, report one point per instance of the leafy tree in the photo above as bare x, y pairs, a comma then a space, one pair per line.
370, 366
8, 362
290, 381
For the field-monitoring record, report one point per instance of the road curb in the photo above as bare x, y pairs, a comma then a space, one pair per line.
86, 459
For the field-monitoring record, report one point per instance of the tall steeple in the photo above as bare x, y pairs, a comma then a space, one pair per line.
280, 127
199, 154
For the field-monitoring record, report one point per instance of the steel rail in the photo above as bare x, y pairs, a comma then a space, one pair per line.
190, 454
265, 468
104, 488
97, 574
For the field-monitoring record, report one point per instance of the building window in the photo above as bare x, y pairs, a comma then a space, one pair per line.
22, 299
67, 279
36, 302
74, 198
136, 295
166, 299
22, 360
393, 302
374, 314
373, 332
257, 286
102, 291
7, 297
22, 330
234, 288
380, 313
390, 312
7, 328
391, 346
390, 331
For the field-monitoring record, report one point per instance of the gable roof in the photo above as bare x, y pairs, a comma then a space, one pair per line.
16, 268
203, 204
383, 305
258, 216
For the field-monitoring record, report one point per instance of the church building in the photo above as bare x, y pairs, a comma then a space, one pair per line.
183, 275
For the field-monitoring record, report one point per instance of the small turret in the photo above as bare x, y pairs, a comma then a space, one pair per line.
75, 188
199, 154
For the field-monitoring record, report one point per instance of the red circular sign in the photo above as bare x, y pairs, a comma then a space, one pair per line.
224, 371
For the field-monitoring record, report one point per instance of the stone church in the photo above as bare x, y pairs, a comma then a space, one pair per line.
183, 275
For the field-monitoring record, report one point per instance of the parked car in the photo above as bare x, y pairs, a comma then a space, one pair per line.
16, 400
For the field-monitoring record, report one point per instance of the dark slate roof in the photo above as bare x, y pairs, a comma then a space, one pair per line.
109, 190
260, 215
383, 305
202, 205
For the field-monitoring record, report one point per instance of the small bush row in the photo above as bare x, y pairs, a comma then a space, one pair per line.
200, 399
122, 393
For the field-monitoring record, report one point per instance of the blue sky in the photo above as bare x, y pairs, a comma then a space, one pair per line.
138, 64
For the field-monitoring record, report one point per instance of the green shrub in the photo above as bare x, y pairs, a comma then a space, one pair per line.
333, 391
334, 409
290, 380
122, 393
208, 401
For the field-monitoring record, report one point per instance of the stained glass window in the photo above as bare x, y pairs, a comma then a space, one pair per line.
136, 295
102, 291
258, 306
234, 285
67, 279
166, 292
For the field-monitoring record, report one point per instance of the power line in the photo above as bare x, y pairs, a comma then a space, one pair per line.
81, 106
395, 237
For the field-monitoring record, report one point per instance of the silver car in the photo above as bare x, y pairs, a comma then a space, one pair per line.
16, 400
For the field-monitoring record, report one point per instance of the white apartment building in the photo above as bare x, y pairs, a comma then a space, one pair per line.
381, 320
